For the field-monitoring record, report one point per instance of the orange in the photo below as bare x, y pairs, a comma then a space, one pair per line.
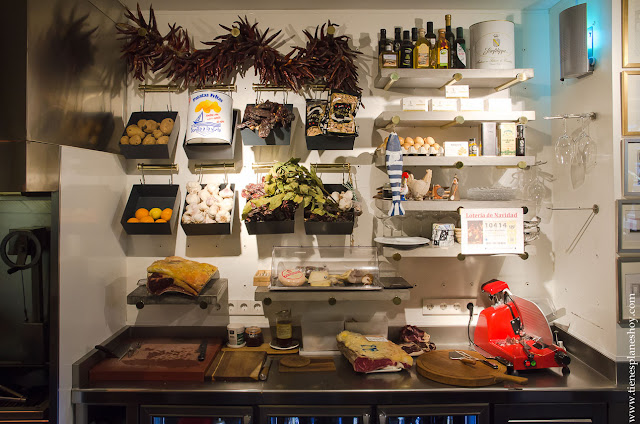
133, 220
147, 219
160, 220
166, 214
155, 213
141, 213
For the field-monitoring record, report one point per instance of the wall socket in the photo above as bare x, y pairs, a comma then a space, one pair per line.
449, 307
245, 307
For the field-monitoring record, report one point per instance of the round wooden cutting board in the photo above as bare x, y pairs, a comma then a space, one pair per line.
437, 366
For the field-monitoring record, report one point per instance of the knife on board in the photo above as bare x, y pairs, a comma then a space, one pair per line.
202, 350
264, 372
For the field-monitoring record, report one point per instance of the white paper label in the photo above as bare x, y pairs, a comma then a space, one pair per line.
376, 339
462, 55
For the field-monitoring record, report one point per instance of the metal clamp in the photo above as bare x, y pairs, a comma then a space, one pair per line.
392, 79
171, 167
458, 120
269, 87
457, 77
331, 167
211, 167
520, 77
590, 115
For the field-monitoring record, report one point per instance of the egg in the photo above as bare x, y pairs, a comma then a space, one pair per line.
193, 199
409, 141
430, 141
401, 140
419, 141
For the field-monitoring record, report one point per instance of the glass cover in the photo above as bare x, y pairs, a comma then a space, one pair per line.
340, 266
315, 420
435, 419
196, 420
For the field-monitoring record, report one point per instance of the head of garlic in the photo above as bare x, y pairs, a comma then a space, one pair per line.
345, 204
186, 219
226, 192
193, 199
193, 187
335, 196
213, 210
212, 188
227, 204
204, 195
223, 217
198, 218
203, 206
192, 209
209, 220
347, 194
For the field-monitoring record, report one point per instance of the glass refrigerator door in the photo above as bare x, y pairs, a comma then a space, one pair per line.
195, 415
435, 414
315, 415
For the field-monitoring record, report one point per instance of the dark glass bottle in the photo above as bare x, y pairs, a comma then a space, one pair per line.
432, 39
414, 35
450, 39
460, 50
406, 51
520, 142
383, 41
397, 41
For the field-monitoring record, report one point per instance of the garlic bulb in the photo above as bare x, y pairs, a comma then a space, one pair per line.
193, 199
217, 198
345, 204
335, 196
209, 220
210, 201
203, 206
212, 188
204, 195
186, 219
227, 204
192, 209
193, 187
226, 192
213, 210
198, 218
348, 194
223, 217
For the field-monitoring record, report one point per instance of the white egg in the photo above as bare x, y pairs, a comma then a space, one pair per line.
198, 218
213, 210
193, 187
226, 193
203, 206
186, 219
212, 188
223, 217
193, 199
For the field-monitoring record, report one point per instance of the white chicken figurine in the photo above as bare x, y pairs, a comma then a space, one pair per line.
419, 189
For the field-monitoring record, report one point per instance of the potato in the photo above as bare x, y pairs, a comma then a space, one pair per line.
135, 140
163, 140
141, 122
149, 139
157, 134
150, 126
166, 126
134, 130
124, 139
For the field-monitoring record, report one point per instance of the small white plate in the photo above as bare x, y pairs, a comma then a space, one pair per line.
402, 241
293, 346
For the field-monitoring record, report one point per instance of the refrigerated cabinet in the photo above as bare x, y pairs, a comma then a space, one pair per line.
315, 414
435, 414
195, 415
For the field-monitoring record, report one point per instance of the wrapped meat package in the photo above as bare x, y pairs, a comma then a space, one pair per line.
342, 113
372, 354
315, 117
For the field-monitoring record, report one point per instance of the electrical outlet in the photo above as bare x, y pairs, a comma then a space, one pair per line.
449, 307
245, 307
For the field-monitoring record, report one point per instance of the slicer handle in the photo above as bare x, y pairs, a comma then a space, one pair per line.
494, 286
512, 378
468, 361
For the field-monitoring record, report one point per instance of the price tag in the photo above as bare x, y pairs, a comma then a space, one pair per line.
491, 231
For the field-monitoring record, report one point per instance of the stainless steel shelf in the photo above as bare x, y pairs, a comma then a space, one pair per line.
453, 161
449, 206
436, 78
263, 293
438, 119
437, 252
211, 294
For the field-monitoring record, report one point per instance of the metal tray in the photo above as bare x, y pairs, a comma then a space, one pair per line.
277, 286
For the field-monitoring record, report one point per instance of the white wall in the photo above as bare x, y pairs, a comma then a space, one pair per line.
240, 255
92, 257
584, 280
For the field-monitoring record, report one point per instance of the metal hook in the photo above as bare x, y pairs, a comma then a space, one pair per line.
226, 176
200, 175
170, 107
144, 96
142, 173
171, 178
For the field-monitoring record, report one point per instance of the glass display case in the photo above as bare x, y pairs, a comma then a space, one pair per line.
196, 415
315, 415
434, 414
325, 268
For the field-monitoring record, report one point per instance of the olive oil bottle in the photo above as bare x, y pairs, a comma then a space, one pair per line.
421, 51
442, 51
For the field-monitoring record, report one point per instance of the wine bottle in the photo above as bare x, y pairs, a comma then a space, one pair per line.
414, 35
421, 51
432, 39
460, 50
406, 51
520, 142
442, 51
451, 38
397, 41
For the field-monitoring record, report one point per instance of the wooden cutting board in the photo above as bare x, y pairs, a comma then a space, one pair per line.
263, 348
159, 360
318, 364
237, 366
437, 366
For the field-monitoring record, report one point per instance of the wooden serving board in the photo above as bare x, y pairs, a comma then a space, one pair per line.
437, 366
237, 366
263, 348
159, 360
318, 364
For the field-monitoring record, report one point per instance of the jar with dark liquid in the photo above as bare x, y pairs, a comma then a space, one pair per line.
284, 330
253, 336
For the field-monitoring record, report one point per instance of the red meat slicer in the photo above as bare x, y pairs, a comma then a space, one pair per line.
517, 330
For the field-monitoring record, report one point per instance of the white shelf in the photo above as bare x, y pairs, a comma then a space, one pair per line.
436, 78
437, 119
452, 161
449, 205
263, 293
434, 252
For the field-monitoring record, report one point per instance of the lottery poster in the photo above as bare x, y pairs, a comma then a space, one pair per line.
491, 231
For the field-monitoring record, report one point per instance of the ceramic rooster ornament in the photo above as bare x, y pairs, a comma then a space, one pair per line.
394, 170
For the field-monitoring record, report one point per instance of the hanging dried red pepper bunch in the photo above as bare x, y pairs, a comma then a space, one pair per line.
332, 59
142, 42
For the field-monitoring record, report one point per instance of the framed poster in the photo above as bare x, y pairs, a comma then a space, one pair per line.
628, 226
630, 87
631, 33
628, 271
491, 231
631, 175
